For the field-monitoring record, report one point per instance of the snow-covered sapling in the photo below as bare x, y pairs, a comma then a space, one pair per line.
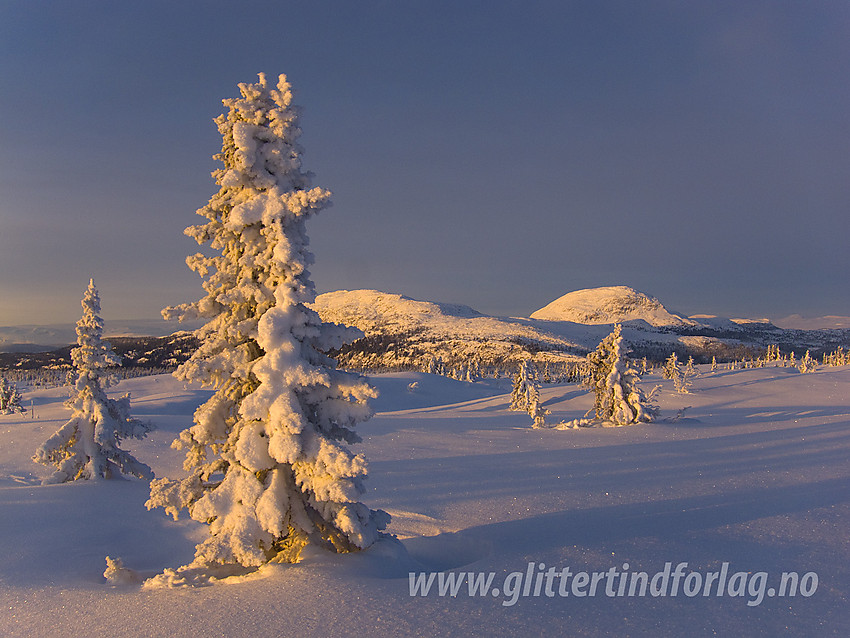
268, 467
807, 363
525, 396
684, 380
523, 385
87, 446
10, 397
671, 369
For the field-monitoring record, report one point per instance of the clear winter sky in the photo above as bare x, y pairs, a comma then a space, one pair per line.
493, 153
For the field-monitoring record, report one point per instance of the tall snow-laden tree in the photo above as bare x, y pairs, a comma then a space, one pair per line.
268, 467
614, 381
87, 446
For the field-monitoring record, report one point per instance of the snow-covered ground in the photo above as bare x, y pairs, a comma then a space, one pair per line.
755, 473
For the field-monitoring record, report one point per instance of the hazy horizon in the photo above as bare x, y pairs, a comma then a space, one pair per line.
62, 333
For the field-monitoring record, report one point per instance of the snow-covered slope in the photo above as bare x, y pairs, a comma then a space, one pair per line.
755, 475
607, 305
401, 331
390, 312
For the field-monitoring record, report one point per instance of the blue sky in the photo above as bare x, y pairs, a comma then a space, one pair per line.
497, 154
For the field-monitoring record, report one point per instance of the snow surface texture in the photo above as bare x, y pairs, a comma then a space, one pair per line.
756, 473
608, 305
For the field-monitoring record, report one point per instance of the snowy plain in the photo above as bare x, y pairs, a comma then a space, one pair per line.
755, 472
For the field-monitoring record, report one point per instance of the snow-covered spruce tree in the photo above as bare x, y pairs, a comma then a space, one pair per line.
537, 412
10, 397
268, 468
524, 386
684, 380
807, 363
525, 396
671, 369
614, 381
87, 446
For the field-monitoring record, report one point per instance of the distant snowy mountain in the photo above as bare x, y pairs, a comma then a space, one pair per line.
608, 305
401, 332
797, 322
42, 338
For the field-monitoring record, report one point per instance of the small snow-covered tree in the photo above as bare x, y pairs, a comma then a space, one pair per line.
87, 446
524, 387
614, 381
525, 396
10, 397
671, 369
807, 363
684, 380
432, 365
537, 412
268, 467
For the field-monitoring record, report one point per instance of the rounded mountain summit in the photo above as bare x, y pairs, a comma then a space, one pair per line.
609, 304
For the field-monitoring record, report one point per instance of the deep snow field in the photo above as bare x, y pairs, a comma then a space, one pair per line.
755, 473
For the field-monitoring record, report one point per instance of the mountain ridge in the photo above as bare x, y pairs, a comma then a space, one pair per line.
402, 333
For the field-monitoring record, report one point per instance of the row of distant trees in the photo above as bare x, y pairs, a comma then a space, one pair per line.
548, 371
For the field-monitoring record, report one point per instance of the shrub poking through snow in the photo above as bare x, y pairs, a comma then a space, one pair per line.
87, 446
614, 381
268, 467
